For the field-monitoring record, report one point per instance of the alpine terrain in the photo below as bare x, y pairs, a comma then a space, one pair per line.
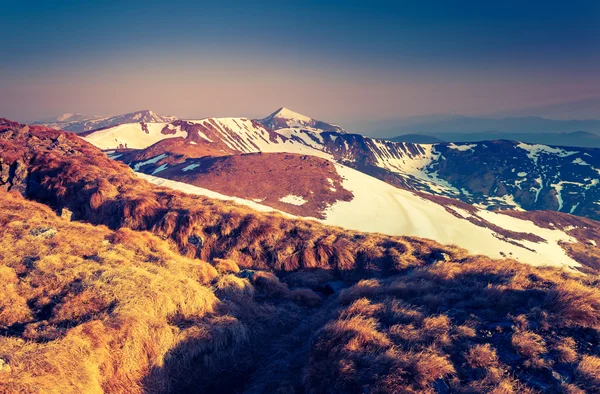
286, 255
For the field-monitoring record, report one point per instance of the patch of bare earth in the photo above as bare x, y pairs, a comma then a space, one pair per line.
268, 178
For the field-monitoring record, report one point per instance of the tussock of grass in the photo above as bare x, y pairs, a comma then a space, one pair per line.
95, 310
452, 326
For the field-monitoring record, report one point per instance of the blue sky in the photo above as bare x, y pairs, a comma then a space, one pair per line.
342, 61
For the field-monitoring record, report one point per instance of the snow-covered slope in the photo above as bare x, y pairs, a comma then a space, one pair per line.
380, 207
285, 118
133, 135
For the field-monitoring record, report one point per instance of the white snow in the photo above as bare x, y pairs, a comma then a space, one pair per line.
153, 160
536, 149
294, 200
559, 188
190, 167
200, 191
522, 174
379, 207
580, 162
288, 114
461, 148
159, 169
131, 135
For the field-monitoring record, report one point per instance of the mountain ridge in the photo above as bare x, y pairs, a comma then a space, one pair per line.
412, 166
84, 123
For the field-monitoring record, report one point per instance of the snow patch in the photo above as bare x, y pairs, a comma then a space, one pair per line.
294, 200
461, 148
190, 167
159, 169
153, 160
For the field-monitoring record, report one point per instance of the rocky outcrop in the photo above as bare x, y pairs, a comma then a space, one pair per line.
13, 176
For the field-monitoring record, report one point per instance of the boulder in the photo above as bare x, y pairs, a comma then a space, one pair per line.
44, 232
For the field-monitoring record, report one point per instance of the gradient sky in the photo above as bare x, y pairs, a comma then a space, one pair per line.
342, 61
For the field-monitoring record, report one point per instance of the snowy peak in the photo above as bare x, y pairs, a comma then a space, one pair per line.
287, 114
285, 118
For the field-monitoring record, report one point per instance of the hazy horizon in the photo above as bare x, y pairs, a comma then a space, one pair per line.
343, 62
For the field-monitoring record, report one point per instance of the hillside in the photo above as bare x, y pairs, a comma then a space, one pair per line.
490, 174
277, 305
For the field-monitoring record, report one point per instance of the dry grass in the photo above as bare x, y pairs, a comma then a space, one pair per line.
94, 310
390, 336
566, 349
482, 356
119, 309
588, 373
528, 344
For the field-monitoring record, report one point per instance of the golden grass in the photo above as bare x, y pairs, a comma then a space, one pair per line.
588, 372
131, 307
94, 310
390, 336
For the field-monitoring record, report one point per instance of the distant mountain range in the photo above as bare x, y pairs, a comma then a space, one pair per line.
574, 139
79, 123
347, 180
418, 129
453, 124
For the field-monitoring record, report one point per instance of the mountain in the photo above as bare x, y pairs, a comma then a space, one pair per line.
494, 174
67, 118
574, 139
417, 139
113, 284
240, 159
285, 118
79, 123
440, 125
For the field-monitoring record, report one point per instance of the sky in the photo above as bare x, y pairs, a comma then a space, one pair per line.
342, 61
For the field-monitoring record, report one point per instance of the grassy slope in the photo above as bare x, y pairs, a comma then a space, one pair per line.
94, 309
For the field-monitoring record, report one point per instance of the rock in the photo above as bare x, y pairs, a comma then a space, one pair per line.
66, 214
246, 274
4, 367
438, 256
61, 139
196, 240
44, 232
17, 177
4, 172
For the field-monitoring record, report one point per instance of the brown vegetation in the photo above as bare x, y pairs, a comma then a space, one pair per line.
266, 178
281, 305
177, 149
389, 336
64, 171
93, 310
